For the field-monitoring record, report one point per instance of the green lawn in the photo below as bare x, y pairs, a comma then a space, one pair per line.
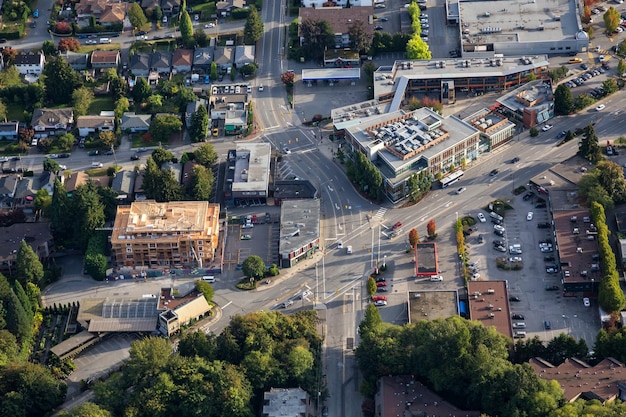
99, 104
205, 9
16, 112
85, 49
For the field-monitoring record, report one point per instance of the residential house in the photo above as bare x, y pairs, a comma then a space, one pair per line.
92, 124
161, 62
140, 194
182, 60
105, 59
133, 123
37, 235
340, 21
202, 59
140, 64
30, 63
9, 130
25, 192
46, 181
224, 8
170, 7
106, 12
52, 121
75, 60
232, 109
8, 184
75, 180
123, 184
149, 4
244, 54
223, 56
192, 108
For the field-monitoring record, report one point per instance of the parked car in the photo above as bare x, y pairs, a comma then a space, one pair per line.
134, 157
529, 216
379, 298
481, 217
380, 303
286, 304
515, 160
246, 237
460, 190
517, 316
515, 299
552, 288
381, 284
493, 172
546, 127
397, 226
586, 302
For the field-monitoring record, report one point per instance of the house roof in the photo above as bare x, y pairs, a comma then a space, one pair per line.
140, 61
73, 58
114, 14
131, 120
224, 55
25, 187
339, 18
95, 122
149, 4
244, 54
182, 57
28, 59
12, 126
48, 117
579, 379
202, 56
161, 59
165, 4
35, 234
47, 178
229, 4
124, 182
105, 57
8, 184
75, 180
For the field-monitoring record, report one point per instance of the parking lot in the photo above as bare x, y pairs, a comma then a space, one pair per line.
258, 237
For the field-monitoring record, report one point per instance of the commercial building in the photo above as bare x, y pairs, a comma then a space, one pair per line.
162, 235
454, 76
402, 143
530, 105
299, 230
489, 304
426, 260
495, 128
278, 402
248, 174
511, 27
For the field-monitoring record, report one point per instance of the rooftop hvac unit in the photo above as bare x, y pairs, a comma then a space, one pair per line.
491, 291
491, 315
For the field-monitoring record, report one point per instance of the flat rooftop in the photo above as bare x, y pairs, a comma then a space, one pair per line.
426, 262
353, 114
489, 304
387, 79
331, 74
252, 167
535, 94
432, 305
576, 245
299, 224
488, 121
501, 21
150, 216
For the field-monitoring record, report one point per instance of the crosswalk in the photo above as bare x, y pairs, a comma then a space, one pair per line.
380, 213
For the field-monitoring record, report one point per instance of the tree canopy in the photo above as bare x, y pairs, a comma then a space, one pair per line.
360, 38
199, 128
28, 268
563, 100
164, 126
60, 80
589, 147
253, 267
253, 30
136, 16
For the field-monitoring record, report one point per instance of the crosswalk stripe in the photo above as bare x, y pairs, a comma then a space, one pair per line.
380, 213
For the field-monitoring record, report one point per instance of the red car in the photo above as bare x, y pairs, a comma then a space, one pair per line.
397, 226
381, 284
379, 298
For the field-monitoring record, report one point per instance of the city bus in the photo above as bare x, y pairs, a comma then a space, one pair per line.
451, 179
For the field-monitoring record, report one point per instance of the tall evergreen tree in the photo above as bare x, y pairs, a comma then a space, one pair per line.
23, 298
91, 212
17, 321
61, 80
59, 214
199, 125
253, 29
186, 29
28, 268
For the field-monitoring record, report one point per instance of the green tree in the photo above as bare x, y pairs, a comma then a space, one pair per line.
197, 343
121, 106
300, 360
253, 267
199, 128
360, 37
86, 410
371, 286
23, 299
59, 209
136, 16
48, 48
318, 36
621, 67
611, 179
29, 390
201, 39
161, 156
43, 201
8, 347
16, 319
164, 126
611, 19
563, 100
416, 48
213, 71
205, 289
201, 184
3, 111
28, 268
249, 70
186, 29
609, 86
589, 147
253, 30
583, 100
157, 13
50, 165
142, 90
65, 141
205, 155
82, 99
60, 80
96, 265
148, 358
89, 213
154, 103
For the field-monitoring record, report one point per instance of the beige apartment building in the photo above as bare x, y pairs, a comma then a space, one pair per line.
179, 234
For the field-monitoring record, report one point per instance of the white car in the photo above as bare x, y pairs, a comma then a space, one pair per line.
546, 127
498, 227
600, 107
261, 87
91, 42
475, 277
339, 244
209, 25
586, 302
601, 58
286, 150
481, 217
436, 278
380, 303
460, 190
529, 216
53, 156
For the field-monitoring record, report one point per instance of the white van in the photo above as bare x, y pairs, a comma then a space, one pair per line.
208, 278
436, 278
105, 40
349, 250
97, 164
